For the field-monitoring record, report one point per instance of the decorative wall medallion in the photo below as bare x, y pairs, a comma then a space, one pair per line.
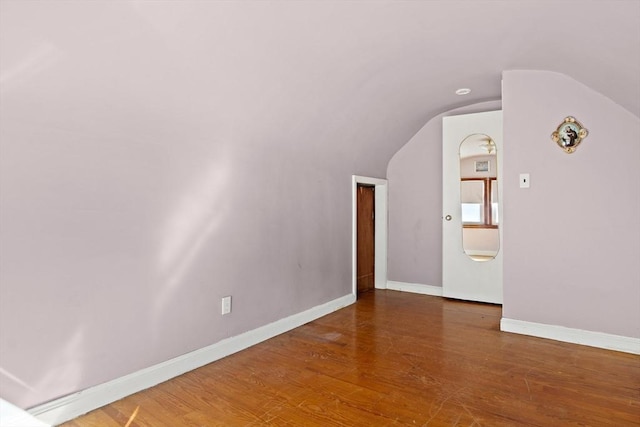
569, 134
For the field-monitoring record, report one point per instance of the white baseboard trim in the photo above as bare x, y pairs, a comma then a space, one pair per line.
76, 404
12, 416
415, 288
575, 336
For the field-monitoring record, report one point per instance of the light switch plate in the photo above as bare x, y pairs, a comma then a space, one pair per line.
524, 180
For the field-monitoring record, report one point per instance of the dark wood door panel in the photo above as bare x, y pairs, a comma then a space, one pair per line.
365, 238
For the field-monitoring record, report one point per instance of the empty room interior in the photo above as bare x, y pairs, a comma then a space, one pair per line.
322, 213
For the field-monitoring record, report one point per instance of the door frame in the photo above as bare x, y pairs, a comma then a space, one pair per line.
380, 224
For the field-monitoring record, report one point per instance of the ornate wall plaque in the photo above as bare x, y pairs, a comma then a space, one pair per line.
569, 134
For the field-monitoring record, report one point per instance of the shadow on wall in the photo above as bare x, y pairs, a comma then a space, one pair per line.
63, 365
33, 63
59, 366
193, 222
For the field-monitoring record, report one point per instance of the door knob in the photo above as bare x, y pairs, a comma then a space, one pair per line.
448, 217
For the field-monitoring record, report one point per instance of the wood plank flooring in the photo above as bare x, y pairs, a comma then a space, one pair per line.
395, 359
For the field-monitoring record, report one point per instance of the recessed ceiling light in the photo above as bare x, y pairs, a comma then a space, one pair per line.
463, 91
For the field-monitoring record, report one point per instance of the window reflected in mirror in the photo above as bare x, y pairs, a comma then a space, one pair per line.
479, 197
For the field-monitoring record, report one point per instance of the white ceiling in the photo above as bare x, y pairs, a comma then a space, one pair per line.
327, 74
476, 145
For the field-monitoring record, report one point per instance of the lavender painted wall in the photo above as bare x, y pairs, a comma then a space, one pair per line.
145, 173
415, 203
157, 155
116, 250
571, 241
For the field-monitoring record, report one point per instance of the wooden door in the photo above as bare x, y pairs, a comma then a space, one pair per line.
365, 238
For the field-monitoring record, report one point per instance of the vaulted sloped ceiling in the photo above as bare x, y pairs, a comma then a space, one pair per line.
340, 78
156, 156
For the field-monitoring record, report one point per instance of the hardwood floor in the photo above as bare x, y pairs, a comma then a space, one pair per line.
396, 359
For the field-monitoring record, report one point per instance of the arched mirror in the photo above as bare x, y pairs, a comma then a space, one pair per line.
479, 197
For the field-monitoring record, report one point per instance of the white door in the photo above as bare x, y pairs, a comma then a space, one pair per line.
472, 181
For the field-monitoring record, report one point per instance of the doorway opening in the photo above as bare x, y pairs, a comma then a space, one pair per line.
365, 235
376, 187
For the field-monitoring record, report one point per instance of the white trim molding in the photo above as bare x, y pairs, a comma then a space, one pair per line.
381, 226
76, 404
575, 336
12, 416
415, 288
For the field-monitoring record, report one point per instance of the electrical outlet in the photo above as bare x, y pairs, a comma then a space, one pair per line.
226, 305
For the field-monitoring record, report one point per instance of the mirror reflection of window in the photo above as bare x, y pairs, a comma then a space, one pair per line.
494, 201
479, 197
471, 198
